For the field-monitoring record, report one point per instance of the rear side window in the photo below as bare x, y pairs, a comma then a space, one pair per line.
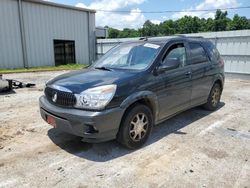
198, 54
213, 53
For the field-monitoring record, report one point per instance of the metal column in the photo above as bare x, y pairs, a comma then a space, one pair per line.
22, 32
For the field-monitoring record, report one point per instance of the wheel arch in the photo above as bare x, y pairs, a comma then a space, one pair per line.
147, 98
220, 80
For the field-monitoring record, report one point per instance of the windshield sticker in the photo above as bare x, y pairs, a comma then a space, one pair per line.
149, 45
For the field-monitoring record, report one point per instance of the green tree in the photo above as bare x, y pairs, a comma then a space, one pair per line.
167, 27
203, 25
149, 29
239, 23
220, 21
209, 25
113, 33
186, 24
126, 32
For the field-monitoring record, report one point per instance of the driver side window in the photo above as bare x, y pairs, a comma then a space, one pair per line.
176, 52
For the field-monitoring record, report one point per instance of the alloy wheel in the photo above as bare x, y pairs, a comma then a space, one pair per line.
215, 96
138, 127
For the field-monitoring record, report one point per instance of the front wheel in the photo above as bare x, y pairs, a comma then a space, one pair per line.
135, 127
214, 97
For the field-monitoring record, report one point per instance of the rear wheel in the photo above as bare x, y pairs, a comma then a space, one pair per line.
135, 127
214, 97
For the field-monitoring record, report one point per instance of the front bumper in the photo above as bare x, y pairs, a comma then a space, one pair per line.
90, 125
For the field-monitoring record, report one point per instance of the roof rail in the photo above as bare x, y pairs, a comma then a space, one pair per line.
189, 36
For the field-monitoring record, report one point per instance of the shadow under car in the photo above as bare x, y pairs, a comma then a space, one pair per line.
106, 151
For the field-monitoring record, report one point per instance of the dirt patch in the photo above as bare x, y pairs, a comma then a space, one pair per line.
214, 153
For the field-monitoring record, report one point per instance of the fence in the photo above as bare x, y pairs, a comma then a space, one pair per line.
234, 47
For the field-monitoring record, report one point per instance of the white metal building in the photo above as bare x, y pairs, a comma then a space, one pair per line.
35, 33
101, 32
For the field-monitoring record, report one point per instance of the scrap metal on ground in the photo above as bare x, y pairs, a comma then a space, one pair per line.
9, 84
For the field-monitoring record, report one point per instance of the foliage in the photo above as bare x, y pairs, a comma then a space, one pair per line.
126, 32
186, 24
50, 68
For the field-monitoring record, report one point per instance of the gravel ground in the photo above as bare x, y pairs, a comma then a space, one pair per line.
196, 148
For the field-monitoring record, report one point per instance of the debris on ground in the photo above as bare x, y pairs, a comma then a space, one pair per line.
9, 84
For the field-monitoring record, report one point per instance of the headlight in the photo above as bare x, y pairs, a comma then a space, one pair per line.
95, 98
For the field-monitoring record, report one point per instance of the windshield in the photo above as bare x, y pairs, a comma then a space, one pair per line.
132, 56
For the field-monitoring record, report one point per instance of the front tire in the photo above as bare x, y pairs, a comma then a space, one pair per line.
135, 127
214, 98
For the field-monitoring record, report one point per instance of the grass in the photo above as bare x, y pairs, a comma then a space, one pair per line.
50, 68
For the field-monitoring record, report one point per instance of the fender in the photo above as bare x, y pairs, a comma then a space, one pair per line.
219, 77
148, 95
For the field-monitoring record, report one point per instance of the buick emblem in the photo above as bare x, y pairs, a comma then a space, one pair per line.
54, 98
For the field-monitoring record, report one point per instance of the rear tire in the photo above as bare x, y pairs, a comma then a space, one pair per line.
214, 98
135, 127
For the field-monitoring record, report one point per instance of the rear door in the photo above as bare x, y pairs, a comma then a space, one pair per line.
177, 82
201, 73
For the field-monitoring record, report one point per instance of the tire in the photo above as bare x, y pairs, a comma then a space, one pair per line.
135, 127
214, 98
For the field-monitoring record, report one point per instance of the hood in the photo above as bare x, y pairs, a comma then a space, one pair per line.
78, 81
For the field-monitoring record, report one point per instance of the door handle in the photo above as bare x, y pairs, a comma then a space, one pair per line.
188, 73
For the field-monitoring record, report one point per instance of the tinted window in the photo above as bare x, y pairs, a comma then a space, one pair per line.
198, 54
176, 52
213, 53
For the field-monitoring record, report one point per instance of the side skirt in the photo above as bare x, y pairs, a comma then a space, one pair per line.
170, 116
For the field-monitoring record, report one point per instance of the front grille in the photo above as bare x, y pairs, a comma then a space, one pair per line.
63, 98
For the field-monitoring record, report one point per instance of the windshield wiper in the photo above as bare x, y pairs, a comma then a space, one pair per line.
103, 68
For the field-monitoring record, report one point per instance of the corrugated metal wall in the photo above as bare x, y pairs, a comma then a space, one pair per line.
234, 47
42, 25
10, 37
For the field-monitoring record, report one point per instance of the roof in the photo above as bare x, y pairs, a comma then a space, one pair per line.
174, 37
60, 5
159, 40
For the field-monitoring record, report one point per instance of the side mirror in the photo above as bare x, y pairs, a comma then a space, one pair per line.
168, 65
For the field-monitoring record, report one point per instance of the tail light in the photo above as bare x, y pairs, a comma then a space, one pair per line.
221, 62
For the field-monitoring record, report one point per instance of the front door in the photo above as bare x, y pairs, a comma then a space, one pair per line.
177, 82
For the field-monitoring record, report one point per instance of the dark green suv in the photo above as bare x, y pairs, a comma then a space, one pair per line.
133, 87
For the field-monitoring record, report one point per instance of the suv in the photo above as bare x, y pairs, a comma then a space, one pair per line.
134, 86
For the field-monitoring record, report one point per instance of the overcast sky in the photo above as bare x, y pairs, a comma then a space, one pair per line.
135, 20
